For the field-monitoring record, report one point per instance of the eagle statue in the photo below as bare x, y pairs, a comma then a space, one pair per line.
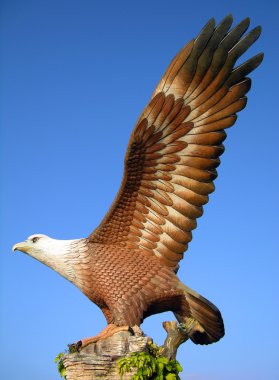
128, 265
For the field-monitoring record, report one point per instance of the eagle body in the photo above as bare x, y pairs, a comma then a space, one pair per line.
128, 265
126, 299
127, 284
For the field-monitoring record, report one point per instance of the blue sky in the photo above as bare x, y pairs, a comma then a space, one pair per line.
75, 77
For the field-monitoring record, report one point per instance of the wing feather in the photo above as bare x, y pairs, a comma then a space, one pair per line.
174, 150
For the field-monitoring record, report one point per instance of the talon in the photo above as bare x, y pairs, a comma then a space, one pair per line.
75, 347
181, 326
130, 329
106, 333
190, 326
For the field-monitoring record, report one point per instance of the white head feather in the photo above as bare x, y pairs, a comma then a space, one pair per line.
52, 252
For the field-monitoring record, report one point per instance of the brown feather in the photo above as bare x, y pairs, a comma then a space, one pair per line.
174, 150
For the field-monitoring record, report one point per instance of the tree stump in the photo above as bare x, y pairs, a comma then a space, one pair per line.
100, 360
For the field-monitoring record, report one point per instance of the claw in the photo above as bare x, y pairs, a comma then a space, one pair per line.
75, 347
190, 326
130, 329
182, 327
106, 333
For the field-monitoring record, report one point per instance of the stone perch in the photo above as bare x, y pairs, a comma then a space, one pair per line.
100, 360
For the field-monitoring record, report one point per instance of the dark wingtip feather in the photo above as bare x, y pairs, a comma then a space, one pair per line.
245, 68
207, 29
244, 44
228, 19
211, 21
256, 60
229, 16
235, 34
256, 32
259, 30
225, 24
260, 58
243, 25
246, 20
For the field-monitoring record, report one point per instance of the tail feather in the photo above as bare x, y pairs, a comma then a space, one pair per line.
207, 314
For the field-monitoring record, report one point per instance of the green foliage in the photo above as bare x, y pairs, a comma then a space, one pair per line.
150, 365
60, 365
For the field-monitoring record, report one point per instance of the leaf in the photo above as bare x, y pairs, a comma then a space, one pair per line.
178, 367
150, 366
168, 367
163, 360
58, 357
171, 376
160, 366
63, 372
60, 366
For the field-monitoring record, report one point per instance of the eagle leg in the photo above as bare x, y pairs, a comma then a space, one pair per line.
108, 331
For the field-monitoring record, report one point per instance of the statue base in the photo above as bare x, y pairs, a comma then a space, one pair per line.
100, 360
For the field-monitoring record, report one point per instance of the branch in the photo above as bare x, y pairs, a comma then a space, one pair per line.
177, 333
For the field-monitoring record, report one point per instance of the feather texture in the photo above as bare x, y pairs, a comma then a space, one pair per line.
174, 149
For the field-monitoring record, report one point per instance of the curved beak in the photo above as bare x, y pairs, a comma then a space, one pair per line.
23, 247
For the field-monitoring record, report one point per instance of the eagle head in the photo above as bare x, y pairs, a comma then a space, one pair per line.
54, 253
32, 244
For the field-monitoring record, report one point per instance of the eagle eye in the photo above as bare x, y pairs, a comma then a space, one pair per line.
36, 238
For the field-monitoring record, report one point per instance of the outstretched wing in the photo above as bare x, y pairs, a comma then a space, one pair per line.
174, 149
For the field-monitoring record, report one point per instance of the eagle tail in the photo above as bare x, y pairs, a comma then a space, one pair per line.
211, 326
